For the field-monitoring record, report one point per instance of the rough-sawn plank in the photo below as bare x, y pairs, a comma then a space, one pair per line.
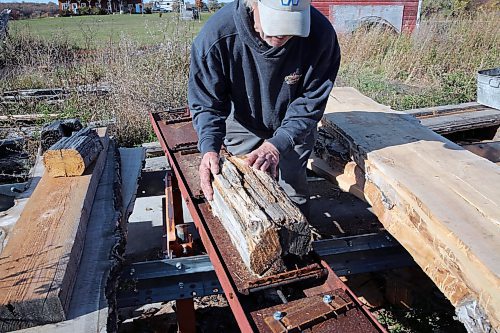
39, 264
440, 201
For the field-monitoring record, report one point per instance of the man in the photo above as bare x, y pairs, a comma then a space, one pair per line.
261, 72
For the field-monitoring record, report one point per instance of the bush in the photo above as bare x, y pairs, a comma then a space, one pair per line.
84, 11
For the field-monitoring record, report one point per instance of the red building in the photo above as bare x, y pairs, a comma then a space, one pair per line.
347, 15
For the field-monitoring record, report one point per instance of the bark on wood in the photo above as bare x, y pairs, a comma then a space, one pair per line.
39, 264
71, 156
56, 130
14, 168
14, 163
263, 223
438, 200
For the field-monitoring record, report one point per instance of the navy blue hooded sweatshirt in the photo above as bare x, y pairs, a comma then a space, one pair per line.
278, 93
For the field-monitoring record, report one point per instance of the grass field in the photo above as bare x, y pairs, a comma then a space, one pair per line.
146, 59
99, 30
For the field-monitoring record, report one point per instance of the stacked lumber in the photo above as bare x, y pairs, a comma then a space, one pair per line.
263, 223
72, 155
440, 201
39, 264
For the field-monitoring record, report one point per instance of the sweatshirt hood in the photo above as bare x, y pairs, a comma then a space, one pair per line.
246, 31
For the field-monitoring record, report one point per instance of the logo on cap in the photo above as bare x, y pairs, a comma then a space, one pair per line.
287, 2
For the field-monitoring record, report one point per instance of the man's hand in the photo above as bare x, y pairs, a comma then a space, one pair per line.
209, 166
265, 158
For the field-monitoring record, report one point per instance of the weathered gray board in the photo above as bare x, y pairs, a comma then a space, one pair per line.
440, 201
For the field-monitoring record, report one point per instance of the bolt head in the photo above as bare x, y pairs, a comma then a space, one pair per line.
178, 265
278, 315
327, 299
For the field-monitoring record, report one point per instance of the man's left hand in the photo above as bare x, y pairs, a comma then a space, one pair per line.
265, 158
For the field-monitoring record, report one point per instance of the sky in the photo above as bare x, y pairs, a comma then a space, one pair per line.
55, 1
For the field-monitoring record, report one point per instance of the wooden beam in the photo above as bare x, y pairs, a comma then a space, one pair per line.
263, 223
440, 201
456, 118
38, 266
71, 156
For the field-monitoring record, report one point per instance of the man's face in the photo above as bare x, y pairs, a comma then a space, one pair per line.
275, 41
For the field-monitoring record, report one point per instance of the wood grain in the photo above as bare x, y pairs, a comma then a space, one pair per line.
39, 264
440, 201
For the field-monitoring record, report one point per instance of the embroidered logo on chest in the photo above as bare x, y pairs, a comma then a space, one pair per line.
293, 78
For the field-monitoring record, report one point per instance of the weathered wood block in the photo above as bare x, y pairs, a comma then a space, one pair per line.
70, 156
263, 223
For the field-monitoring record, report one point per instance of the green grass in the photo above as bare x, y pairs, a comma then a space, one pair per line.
99, 30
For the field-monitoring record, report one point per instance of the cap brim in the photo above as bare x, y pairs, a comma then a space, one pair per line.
284, 23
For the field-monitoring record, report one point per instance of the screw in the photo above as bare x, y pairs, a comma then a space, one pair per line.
181, 285
278, 315
132, 271
178, 265
327, 299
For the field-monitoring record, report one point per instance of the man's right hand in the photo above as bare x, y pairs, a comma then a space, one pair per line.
209, 166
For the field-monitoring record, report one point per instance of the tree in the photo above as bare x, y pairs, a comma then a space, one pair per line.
213, 5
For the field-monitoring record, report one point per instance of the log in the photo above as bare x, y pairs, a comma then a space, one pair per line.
27, 118
440, 201
262, 222
71, 156
38, 266
56, 130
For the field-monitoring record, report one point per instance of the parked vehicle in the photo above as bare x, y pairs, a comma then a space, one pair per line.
162, 6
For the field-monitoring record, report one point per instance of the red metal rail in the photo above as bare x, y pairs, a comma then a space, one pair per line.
340, 311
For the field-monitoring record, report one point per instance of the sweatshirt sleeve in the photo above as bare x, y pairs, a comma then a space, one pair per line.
208, 99
304, 113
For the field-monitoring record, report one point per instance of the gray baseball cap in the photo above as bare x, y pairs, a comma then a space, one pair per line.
285, 17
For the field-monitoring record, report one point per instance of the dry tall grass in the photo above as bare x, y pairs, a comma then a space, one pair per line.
141, 78
437, 64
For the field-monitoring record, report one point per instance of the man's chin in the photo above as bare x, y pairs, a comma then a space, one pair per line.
276, 42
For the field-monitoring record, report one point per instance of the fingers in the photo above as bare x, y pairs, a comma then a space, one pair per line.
250, 158
209, 165
214, 165
205, 182
264, 158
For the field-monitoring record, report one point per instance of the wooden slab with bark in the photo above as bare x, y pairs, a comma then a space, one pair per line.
39, 264
440, 201
71, 156
263, 223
